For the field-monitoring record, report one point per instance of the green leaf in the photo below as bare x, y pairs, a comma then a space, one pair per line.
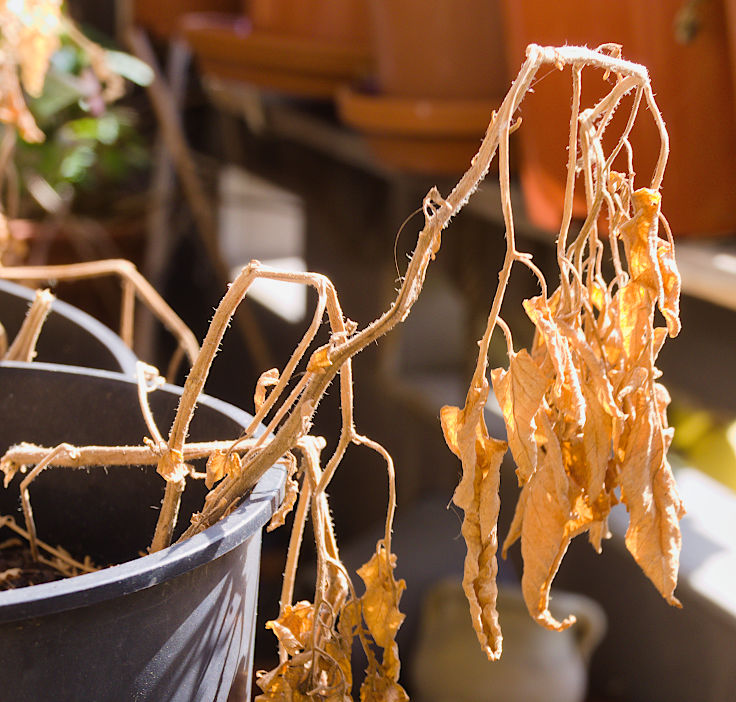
129, 67
60, 91
75, 164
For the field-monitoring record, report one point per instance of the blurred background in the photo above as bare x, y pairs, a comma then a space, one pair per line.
305, 133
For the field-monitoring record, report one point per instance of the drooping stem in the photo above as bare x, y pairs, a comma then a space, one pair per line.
295, 541
127, 313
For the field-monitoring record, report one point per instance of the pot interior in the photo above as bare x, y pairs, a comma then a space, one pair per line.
107, 513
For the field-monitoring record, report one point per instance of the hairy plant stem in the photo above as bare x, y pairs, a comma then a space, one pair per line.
108, 456
23, 347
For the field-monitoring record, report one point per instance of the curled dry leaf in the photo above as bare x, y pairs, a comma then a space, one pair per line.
320, 360
519, 391
221, 463
316, 664
380, 609
267, 379
171, 466
547, 526
648, 489
669, 296
555, 345
640, 238
477, 495
291, 492
293, 628
378, 687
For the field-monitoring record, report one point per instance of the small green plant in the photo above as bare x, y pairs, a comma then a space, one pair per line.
62, 133
88, 143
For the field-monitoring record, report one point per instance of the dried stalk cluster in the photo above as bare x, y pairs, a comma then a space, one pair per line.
584, 412
585, 416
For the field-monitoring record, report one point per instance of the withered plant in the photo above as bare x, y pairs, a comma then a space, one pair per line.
585, 413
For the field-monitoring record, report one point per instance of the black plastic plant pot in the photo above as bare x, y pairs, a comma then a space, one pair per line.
174, 625
69, 335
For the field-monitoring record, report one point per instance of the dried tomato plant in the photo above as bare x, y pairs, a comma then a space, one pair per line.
584, 412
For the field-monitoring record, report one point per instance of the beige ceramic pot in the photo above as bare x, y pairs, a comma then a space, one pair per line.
537, 665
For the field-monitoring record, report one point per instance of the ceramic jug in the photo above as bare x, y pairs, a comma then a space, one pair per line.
537, 665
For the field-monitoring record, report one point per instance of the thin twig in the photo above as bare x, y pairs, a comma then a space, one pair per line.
25, 497
59, 554
109, 456
148, 381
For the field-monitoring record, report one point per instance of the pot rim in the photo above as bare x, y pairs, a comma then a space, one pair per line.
144, 572
124, 356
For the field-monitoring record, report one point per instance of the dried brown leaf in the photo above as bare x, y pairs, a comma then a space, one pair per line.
266, 380
589, 357
319, 361
546, 529
380, 609
649, 491
640, 237
669, 295
283, 683
598, 531
171, 466
596, 443
477, 495
634, 312
380, 605
569, 398
291, 492
379, 688
519, 392
220, 464
514, 533
294, 680
293, 628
